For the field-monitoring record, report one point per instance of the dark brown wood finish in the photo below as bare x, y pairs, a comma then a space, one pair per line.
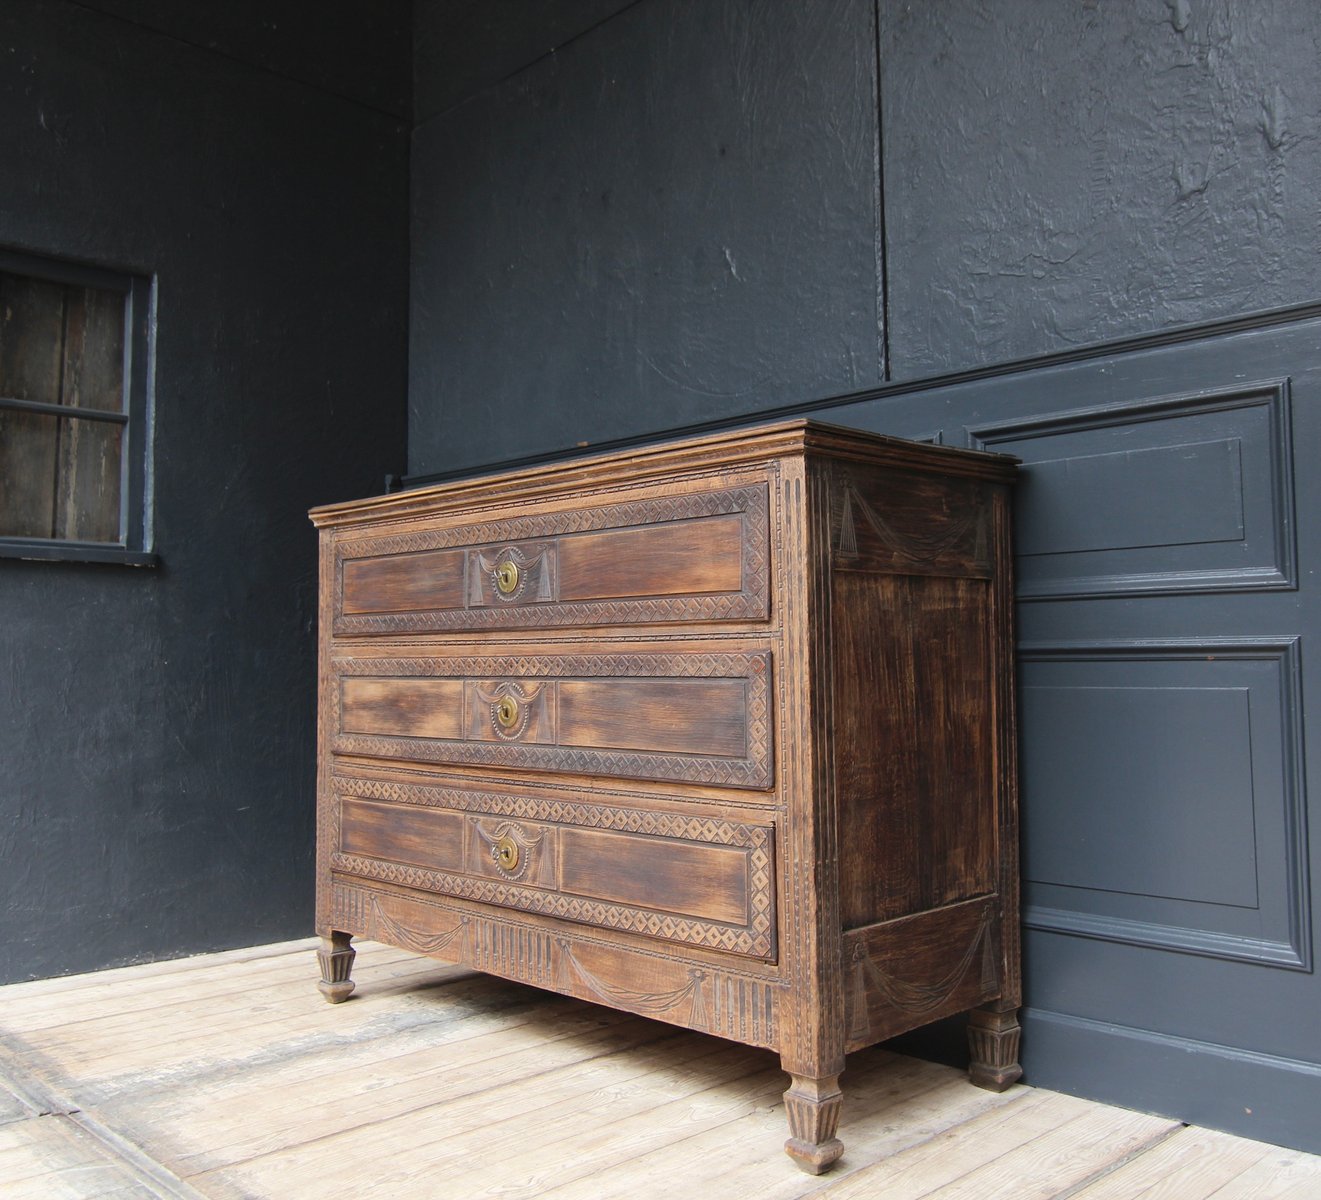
792, 823
61, 346
680, 556
917, 820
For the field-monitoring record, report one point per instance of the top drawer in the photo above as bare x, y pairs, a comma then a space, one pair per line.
691, 557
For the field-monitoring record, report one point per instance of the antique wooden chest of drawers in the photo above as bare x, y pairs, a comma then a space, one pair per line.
718, 731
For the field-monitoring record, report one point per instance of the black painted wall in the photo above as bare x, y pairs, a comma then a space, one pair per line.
694, 213
631, 217
671, 218
1062, 174
156, 726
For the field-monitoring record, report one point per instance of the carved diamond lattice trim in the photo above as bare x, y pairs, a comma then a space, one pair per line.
749, 603
754, 771
754, 940
757, 939
561, 812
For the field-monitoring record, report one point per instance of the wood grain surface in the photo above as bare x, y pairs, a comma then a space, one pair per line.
838, 681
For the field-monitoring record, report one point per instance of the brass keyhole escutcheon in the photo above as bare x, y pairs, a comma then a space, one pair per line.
506, 577
507, 712
505, 852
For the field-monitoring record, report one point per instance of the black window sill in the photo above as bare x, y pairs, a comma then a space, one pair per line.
42, 550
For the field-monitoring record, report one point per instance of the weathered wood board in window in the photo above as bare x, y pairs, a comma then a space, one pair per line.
31, 352
87, 492
62, 348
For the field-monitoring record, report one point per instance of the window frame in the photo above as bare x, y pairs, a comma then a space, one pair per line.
134, 547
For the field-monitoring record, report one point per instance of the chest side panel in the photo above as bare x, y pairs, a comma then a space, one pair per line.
914, 693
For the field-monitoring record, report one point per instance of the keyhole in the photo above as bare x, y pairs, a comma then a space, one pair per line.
506, 853
506, 712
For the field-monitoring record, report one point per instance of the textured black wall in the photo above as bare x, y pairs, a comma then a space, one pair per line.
671, 219
1059, 174
677, 216
356, 49
156, 726
462, 46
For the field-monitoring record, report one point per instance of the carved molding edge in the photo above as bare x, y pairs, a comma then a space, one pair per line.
725, 1003
755, 940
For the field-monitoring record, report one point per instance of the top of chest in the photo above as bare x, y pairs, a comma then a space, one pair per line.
677, 532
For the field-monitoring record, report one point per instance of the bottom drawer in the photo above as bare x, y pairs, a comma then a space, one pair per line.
681, 877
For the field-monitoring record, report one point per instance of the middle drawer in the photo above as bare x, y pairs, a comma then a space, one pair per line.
691, 717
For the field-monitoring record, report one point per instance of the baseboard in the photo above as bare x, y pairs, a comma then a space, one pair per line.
1253, 1095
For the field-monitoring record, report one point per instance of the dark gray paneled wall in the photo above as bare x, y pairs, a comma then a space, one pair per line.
1167, 543
156, 726
1060, 174
670, 220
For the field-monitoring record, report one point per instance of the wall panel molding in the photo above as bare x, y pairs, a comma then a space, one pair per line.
1256, 1095
1193, 926
1225, 453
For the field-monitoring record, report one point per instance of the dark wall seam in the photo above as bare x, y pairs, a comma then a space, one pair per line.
496, 83
882, 265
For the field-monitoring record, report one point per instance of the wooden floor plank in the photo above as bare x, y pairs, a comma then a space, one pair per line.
1278, 1175
1059, 1161
925, 1167
611, 1141
904, 1121
174, 969
1189, 1165
452, 1141
47, 1157
891, 1103
1017, 1153
228, 1076
98, 1054
198, 1024
204, 1140
12, 1108
340, 1047
28, 1005
371, 1057
274, 981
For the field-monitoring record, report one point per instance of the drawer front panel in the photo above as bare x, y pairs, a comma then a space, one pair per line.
692, 879
695, 557
700, 718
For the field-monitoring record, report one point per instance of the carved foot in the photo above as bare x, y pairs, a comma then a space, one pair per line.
336, 958
812, 1105
993, 1039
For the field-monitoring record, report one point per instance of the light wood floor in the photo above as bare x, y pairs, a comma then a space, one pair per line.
229, 1076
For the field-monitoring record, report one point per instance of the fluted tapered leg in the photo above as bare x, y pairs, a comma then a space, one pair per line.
993, 1040
336, 958
812, 1105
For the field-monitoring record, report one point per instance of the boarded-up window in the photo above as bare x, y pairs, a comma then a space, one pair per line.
67, 440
